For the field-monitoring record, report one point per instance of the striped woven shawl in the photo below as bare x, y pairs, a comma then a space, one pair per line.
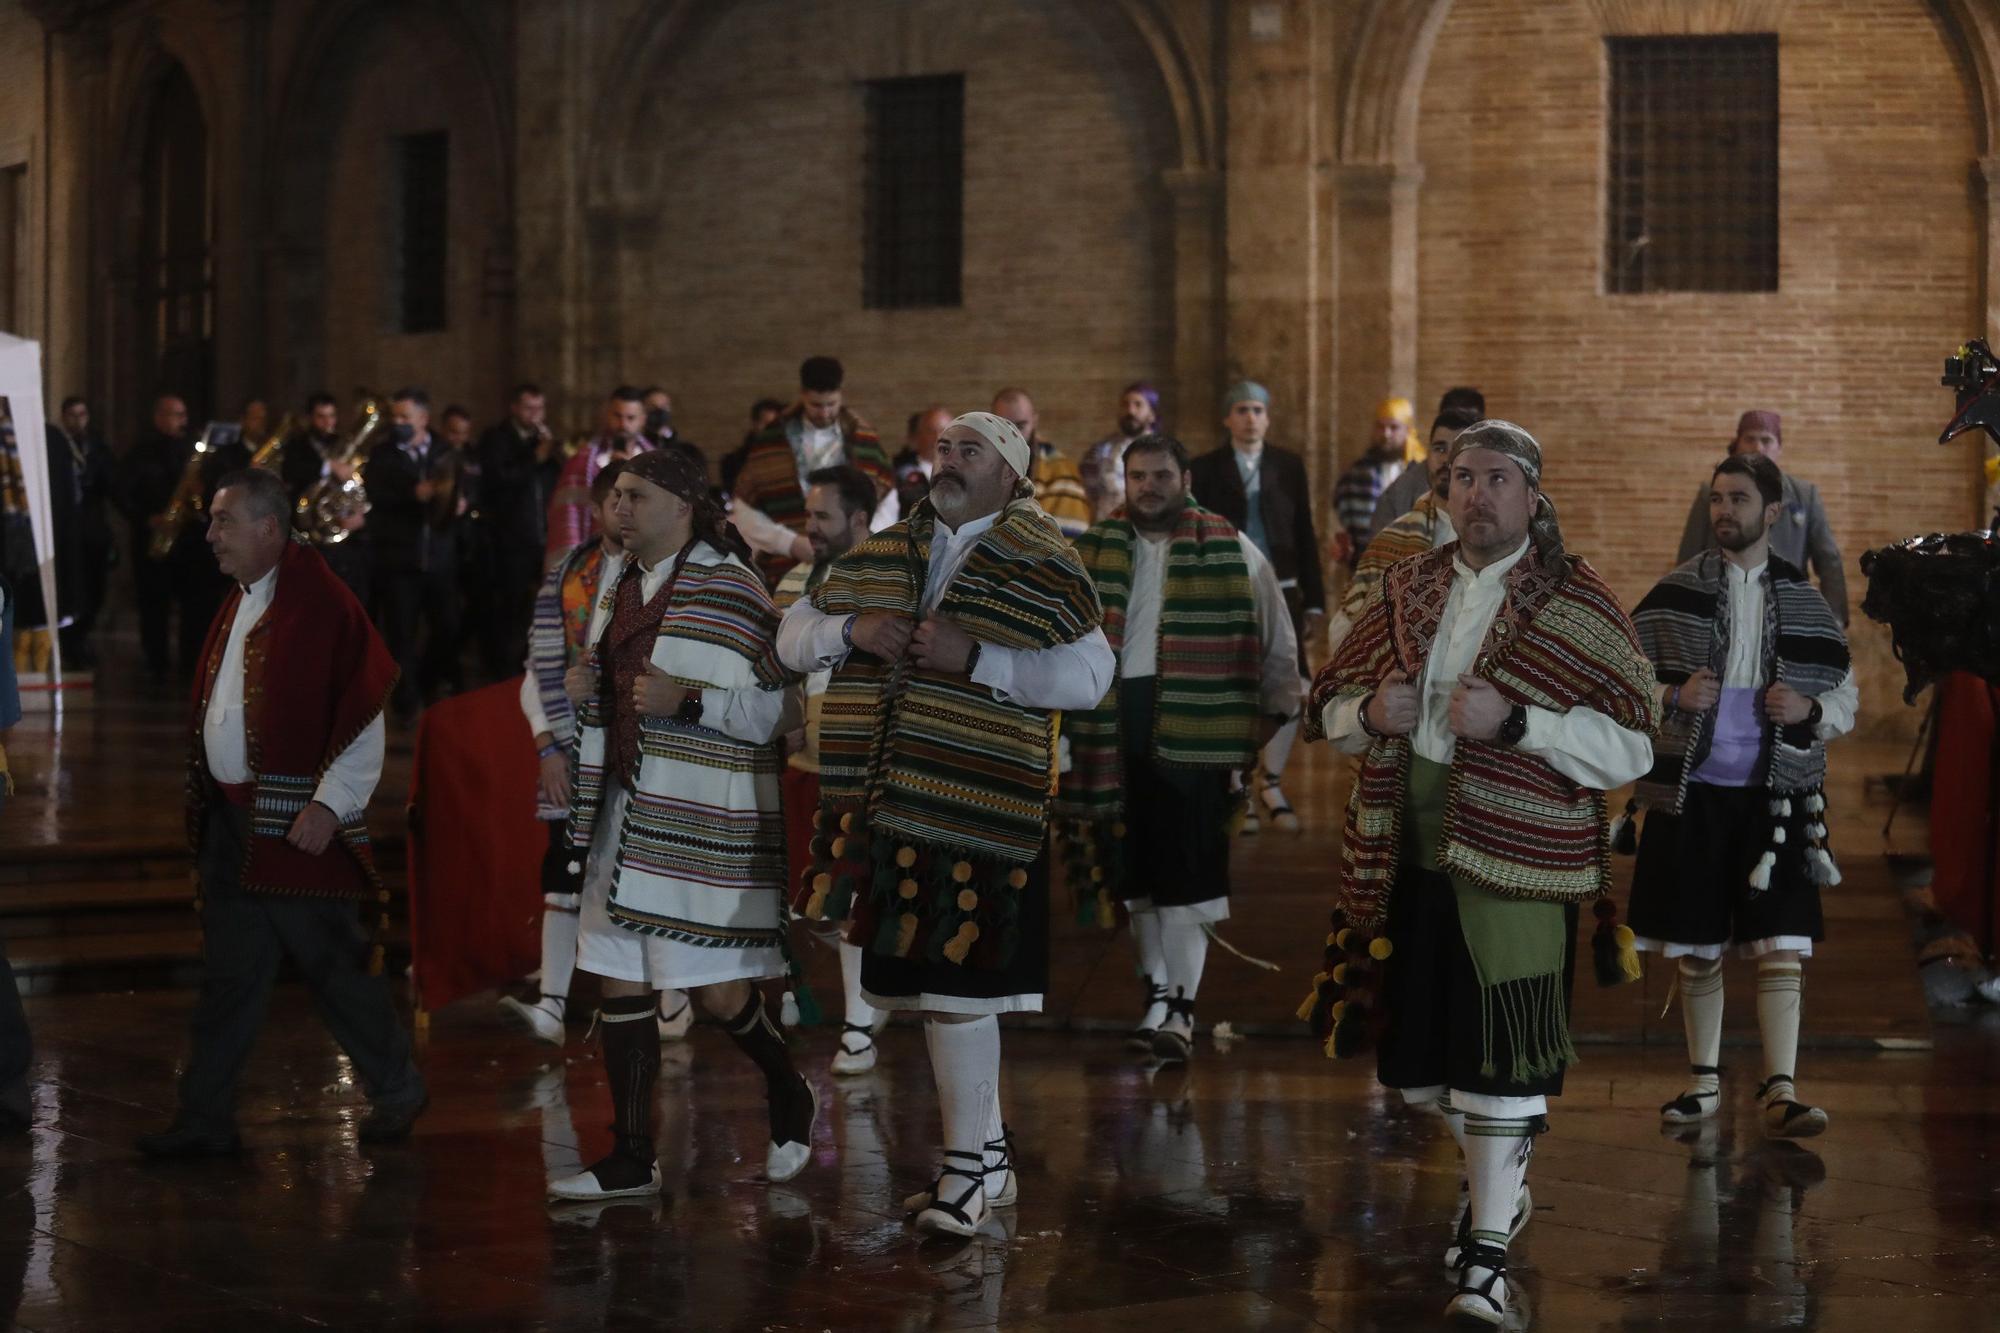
934, 793
1683, 625
769, 480
1208, 659
563, 607
701, 858
1513, 824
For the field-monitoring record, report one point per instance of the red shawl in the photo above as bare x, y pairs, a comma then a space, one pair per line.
315, 675
1512, 824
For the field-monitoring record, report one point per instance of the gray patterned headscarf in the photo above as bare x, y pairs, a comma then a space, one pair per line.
1510, 440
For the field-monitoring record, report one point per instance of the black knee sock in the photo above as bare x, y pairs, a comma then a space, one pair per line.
757, 1037
632, 1065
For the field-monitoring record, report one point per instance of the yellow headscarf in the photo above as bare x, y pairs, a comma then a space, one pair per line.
1398, 409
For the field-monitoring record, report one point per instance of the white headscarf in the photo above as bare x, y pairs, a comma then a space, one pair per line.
997, 431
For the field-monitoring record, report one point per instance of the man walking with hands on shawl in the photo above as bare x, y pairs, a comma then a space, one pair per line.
1756, 680
1496, 690
953, 635
679, 707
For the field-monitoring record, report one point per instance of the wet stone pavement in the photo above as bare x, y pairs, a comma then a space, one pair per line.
1263, 1188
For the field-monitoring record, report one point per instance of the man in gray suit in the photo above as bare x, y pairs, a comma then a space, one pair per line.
1800, 535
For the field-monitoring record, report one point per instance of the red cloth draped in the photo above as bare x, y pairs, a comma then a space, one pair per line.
315, 674
475, 849
1964, 833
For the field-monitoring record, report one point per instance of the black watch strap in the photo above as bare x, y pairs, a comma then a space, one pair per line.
1515, 727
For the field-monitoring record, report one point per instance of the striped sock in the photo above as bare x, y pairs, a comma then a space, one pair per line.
1780, 996
1496, 1158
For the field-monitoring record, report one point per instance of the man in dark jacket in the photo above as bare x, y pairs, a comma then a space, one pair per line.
518, 463
92, 547
413, 490
151, 473
1262, 489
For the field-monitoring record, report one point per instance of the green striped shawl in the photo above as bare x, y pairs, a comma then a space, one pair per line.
1208, 664
933, 793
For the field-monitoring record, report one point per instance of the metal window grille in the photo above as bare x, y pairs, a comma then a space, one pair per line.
422, 165
1694, 164
913, 229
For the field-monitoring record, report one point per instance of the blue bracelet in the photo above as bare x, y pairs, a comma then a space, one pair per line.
552, 748
847, 629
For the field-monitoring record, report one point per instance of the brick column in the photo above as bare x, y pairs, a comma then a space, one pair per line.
1279, 219
1197, 198
1378, 295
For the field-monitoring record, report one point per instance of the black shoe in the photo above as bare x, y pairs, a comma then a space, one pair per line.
184, 1141
390, 1122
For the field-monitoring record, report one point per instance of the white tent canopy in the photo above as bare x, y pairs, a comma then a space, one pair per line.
21, 386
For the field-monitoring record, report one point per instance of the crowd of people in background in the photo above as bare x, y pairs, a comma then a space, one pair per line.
461, 523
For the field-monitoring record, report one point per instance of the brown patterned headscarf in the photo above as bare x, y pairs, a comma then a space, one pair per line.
1511, 441
672, 470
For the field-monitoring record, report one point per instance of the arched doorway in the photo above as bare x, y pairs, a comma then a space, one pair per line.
174, 291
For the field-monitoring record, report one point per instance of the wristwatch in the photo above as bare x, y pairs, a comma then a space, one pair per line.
1515, 727
1814, 714
972, 658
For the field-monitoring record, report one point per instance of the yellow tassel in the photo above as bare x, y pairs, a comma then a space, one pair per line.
1628, 953
1107, 917
906, 934
1329, 1047
375, 961
1306, 1006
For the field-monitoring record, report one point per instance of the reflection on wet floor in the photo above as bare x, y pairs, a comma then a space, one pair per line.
1264, 1188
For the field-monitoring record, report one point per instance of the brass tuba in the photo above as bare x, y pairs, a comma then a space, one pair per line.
183, 507
326, 507
267, 452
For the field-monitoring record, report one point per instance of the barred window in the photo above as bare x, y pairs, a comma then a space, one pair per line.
14, 249
912, 231
422, 167
1693, 164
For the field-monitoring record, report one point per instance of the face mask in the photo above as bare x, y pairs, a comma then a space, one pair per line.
659, 421
404, 432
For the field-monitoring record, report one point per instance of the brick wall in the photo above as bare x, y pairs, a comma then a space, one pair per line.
1634, 396
406, 82
748, 258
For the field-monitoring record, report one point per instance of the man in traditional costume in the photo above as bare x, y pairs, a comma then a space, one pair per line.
1496, 691
1757, 680
1102, 473
285, 749
556, 642
679, 707
817, 431
953, 636
839, 503
1261, 488
1425, 527
572, 518
1059, 488
1801, 535
1207, 670
1359, 488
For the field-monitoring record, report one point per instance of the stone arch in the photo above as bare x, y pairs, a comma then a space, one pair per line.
149, 69
315, 98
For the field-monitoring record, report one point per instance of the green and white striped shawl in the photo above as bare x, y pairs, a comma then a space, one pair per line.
1208, 664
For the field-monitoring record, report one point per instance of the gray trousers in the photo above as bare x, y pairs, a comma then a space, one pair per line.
244, 937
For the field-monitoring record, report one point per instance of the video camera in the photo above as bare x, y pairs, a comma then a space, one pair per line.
1940, 594
1973, 373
